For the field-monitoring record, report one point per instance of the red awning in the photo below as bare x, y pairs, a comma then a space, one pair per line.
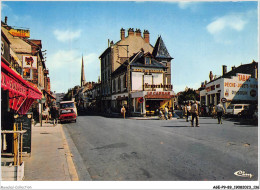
21, 93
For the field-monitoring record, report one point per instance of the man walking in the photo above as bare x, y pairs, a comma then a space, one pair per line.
194, 114
123, 110
220, 110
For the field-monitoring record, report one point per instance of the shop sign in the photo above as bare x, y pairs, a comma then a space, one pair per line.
30, 62
234, 85
146, 85
210, 88
20, 33
27, 73
158, 93
243, 77
10, 84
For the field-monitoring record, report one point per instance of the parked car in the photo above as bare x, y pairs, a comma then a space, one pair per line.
229, 110
67, 114
248, 112
234, 109
68, 104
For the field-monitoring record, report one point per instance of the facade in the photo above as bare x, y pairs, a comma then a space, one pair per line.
240, 85
147, 89
17, 94
116, 55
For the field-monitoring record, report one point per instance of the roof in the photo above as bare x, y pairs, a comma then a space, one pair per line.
138, 60
17, 44
244, 69
160, 50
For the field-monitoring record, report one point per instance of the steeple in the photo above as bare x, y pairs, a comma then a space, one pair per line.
82, 82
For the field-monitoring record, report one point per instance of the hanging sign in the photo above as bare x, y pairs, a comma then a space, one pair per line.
30, 62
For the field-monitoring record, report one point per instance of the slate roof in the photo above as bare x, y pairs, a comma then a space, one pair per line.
244, 69
138, 60
160, 50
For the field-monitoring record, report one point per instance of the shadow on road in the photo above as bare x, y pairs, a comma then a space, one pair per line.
175, 126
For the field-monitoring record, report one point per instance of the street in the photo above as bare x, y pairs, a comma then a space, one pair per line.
117, 149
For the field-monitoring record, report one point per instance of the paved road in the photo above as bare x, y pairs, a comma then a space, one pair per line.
151, 150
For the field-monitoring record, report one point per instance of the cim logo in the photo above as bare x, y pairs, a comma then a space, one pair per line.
241, 173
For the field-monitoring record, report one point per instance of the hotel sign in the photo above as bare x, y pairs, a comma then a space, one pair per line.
20, 33
148, 70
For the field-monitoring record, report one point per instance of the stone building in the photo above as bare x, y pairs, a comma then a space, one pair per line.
116, 55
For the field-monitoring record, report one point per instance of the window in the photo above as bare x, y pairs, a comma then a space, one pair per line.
147, 61
124, 81
119, 84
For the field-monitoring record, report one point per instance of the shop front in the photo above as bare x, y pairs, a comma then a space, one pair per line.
237, 89
17, 96
150, 102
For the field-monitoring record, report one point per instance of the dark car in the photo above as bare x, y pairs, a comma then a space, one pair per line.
67, 115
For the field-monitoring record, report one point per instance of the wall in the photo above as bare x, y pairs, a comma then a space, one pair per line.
135, 44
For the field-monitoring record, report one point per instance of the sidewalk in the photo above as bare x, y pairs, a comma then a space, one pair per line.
50, 159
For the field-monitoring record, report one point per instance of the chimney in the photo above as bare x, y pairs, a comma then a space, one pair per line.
146, 36
256, 71
130, 32
138, 32
111, 43
122, 32
233, 68
6, 20
224, 69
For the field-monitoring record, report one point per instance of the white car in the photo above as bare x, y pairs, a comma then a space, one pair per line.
234, 109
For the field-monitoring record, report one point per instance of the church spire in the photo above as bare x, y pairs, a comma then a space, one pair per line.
82, 82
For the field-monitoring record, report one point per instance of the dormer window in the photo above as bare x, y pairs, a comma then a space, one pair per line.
147, 61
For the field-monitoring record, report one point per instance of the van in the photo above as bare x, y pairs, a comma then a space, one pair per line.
236, 108
68, 104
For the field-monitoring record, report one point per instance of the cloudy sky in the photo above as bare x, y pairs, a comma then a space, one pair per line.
201, 36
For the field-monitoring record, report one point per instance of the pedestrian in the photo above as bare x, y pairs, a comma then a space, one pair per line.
188, 111
47, 113
194, 114
220, 111
166, 112
55, 115
123, 111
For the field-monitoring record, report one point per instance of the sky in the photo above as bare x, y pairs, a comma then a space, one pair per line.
200, 36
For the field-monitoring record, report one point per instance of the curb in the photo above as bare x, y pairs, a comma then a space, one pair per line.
72, 169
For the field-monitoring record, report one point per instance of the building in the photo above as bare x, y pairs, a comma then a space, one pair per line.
116, 55
17, 97
27, 58
146, 87
240, 85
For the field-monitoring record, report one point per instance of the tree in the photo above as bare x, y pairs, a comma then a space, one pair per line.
188, 94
